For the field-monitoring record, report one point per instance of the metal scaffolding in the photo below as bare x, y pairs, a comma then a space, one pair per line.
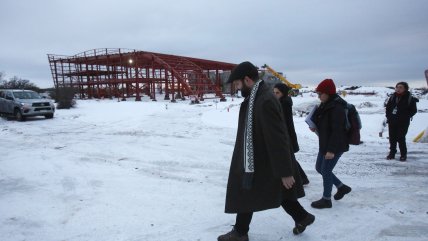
122, 73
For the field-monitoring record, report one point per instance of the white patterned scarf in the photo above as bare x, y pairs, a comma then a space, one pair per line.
248, 139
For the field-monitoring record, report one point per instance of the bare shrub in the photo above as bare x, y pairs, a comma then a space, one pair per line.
64, 97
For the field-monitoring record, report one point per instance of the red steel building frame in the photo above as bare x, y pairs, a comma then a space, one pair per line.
123, 73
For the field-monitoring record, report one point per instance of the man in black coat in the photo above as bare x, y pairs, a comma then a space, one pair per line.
262, 173
400, 108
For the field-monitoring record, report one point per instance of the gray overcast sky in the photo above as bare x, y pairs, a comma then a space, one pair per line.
355, 42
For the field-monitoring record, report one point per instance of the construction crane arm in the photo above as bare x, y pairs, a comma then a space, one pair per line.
282, 78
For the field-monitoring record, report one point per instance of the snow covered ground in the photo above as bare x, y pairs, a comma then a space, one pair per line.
157, 171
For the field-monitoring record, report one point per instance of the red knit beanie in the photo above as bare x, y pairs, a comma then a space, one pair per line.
327, 87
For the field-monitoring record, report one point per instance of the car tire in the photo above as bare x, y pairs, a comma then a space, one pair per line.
49, 116
19, 116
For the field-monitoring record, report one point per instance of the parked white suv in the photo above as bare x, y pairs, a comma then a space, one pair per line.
23, 103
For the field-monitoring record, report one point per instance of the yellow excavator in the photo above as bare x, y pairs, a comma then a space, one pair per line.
282, 78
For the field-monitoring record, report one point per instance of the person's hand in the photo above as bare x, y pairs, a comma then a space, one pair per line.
288, 182
329, 155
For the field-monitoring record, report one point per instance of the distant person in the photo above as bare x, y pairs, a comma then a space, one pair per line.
281, 91
382, 127
329, 119
262, 171
400, 108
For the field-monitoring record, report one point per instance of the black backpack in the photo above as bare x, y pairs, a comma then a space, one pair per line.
353, 124
409, 100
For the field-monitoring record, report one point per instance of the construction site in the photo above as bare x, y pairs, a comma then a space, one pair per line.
123, 73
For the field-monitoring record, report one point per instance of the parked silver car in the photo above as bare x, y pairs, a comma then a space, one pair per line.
23, 103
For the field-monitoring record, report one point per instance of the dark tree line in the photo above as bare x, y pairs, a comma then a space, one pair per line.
17, 83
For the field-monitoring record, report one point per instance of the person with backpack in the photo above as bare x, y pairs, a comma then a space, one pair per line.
281, 90
400, 109
330, 122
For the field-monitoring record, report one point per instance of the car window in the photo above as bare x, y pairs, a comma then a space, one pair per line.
26, 95
8, 95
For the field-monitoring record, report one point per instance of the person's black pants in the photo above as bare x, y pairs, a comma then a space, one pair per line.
293, 208
242, 223
397, 133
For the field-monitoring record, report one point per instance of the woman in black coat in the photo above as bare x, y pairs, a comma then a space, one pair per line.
281, 90
329, 119
400, 108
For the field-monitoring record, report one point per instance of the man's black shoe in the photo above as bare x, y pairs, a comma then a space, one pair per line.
301, 226
390, 156
233, 236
